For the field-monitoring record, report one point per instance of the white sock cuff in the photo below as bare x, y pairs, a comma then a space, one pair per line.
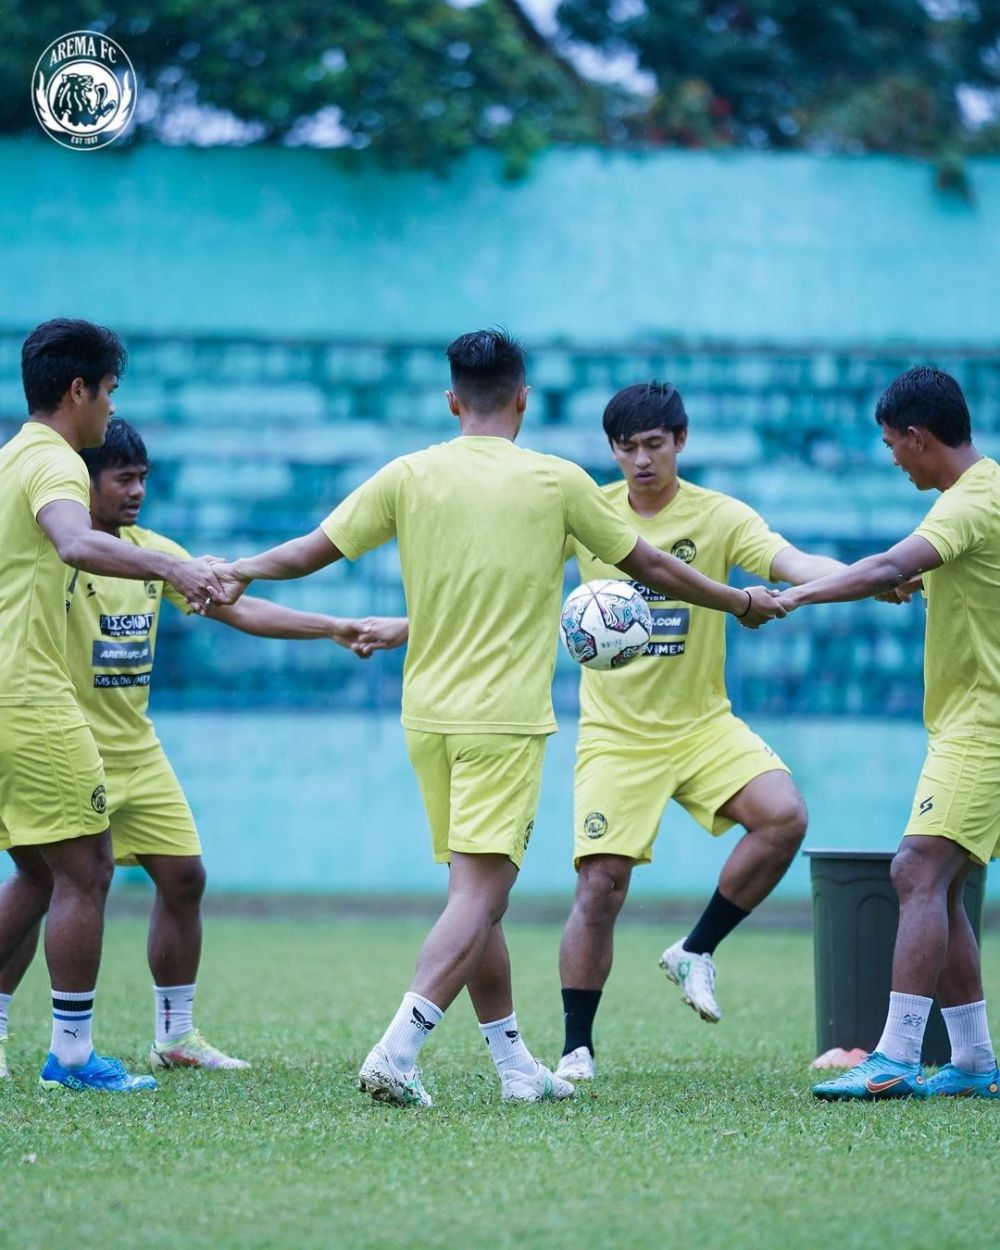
916, 1003
430, 1011
175, 989
508, 1022
961, 1012
74, 996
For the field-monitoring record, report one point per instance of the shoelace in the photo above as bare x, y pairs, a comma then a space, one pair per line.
115, 1068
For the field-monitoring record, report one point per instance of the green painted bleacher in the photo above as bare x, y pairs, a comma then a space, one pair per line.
253, 441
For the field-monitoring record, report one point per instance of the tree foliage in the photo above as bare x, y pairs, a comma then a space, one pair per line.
842, 75
415, 82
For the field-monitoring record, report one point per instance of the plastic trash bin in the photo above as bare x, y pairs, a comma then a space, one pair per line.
855, 914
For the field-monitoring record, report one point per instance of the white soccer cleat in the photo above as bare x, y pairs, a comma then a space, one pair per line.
4, 1065
695, 974
192, 1051
578, 1065
380, 1078
538, 1086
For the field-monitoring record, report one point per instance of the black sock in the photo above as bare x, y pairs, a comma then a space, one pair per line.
579, 1009
717, 921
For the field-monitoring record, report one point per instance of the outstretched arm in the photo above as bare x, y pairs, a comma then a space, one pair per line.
874, 575
665, 573
79, 545
297, 558
795, 566
264, 619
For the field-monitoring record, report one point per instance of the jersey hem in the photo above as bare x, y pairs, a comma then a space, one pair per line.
479, 727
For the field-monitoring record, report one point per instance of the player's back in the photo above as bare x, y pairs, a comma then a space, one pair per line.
37, 466
481, 537
482, 526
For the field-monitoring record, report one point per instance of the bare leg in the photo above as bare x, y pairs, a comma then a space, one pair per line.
961, 979
81, 874
587, 948
773, 813
24, 900
489, 986
923, 872
478, 890
174, 945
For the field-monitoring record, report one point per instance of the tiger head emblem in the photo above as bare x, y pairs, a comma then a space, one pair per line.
79, 102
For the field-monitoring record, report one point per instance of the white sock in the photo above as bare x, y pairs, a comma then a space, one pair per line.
506, 1047
409, 1029
174, 1012
903, 1035
72, 1017
4, 1008
969, 1033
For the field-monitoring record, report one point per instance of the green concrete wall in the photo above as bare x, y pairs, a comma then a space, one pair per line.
592, 247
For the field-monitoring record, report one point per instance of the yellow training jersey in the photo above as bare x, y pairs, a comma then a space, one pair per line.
111, 640
680, 681
482, 526
962, 650
37, 467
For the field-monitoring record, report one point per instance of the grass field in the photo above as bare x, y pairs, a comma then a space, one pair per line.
694, 1136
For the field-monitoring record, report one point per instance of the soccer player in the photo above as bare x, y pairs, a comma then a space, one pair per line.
664, 728
112, 636
53, 802
955, 819
481, 528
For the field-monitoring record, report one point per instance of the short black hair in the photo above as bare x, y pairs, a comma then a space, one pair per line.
122, 445
56, 352
930, 398
487, 368
644, 406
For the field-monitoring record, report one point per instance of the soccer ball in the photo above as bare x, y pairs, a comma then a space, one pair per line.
605, 624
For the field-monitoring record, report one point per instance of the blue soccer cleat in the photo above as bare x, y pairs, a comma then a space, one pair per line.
952, 1082
99, 1072
876, 1078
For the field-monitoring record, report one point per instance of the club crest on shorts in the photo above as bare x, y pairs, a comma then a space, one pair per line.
684, 550
83, 90
99, 800
595, 825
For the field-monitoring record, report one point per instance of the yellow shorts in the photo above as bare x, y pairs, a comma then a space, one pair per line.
51, 777
958, 795
621, 787
148, 810
480, 790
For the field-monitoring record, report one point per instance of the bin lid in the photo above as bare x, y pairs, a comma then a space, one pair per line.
817, 852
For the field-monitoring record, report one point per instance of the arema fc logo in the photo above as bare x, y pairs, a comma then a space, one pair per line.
83, 90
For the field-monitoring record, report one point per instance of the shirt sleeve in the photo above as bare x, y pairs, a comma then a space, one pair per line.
954, 525
591, 518
54, 475
752, 544
367, 517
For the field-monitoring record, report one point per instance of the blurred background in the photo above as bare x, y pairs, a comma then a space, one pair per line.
776, 206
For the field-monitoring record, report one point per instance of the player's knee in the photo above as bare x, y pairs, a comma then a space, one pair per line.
793, 822
910, 874
600, 891
784, 826
186, 886
97, 880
